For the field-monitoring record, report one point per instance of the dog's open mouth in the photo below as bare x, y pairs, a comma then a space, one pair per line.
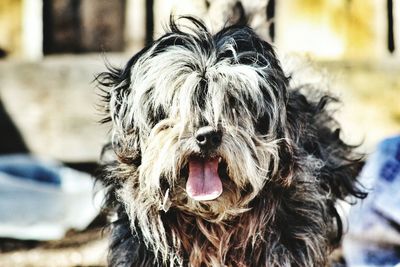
204, 182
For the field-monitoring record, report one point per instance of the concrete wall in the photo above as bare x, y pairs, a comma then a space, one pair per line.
55, 105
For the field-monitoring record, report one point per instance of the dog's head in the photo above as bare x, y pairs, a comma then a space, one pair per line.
204, 123
205, 114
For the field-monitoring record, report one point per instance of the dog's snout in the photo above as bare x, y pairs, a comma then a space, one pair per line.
208, 137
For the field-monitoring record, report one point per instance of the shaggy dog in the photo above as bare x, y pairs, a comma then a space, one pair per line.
218, 160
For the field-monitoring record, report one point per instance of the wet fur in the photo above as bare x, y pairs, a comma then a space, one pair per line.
284, 166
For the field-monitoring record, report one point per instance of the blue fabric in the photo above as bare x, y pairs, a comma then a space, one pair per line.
374, 236
26, 167
42, 200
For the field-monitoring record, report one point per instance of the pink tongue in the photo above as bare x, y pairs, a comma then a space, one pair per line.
203, 182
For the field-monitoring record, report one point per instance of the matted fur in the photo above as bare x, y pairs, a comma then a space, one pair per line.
283, 163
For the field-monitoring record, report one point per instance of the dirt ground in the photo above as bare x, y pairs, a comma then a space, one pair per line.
88, 248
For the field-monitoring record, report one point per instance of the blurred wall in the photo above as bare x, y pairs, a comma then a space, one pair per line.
55, 47
355, 29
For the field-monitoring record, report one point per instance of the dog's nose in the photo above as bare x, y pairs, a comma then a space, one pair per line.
208, 137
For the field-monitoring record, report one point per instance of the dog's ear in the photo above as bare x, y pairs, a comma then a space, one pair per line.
317, 134
115, 87
111, 84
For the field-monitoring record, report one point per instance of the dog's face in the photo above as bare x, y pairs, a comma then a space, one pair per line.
204, 113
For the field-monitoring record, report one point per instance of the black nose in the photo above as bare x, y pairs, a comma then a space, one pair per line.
208, 137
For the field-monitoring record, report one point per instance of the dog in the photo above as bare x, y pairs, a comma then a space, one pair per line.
217, 160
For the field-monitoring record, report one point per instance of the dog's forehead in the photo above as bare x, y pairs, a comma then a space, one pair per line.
181, 78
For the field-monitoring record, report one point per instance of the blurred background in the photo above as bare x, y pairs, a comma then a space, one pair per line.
51, 50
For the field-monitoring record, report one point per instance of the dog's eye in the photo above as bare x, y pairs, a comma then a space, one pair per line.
158, 115
262, 125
